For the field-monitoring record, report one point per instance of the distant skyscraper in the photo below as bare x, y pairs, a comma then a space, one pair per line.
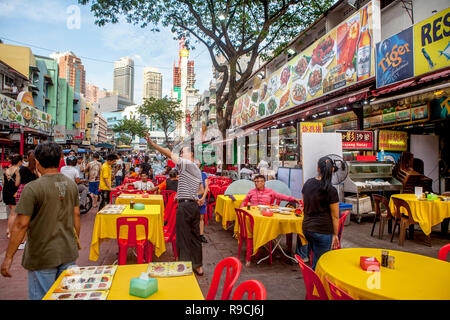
72, 69
124, 78
92, 93
152, 83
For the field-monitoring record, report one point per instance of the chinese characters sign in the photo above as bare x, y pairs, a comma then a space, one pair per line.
357, 140
393, 140
311, 127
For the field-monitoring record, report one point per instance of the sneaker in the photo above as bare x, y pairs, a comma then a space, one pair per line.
202, 237
22, 246
305, 260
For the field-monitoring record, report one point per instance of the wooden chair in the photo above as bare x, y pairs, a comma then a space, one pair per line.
383, 216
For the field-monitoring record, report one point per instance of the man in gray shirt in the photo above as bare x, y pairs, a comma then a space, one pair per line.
187, 224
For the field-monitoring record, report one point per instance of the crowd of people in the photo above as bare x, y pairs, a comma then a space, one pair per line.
45, 192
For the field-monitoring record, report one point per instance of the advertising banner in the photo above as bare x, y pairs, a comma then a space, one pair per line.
357, 140
395, 58
392, 140
19, 113
339, 59
432, 43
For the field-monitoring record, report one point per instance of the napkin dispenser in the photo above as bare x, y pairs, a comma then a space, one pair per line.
370, 263
144, 286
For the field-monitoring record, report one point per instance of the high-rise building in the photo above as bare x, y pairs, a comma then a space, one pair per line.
72, 69
92, 93
124, 78
152, 83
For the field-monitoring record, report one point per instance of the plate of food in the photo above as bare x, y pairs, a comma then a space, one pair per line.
324, 52
262, 206
298, 93
274, 85
286, 209
272, 105
284, 101
255, 96
301, 67
315, 81
284, 77
263, 91
262, 109
252, 112
244, 116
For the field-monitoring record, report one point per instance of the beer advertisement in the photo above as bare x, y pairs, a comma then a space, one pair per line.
342, 57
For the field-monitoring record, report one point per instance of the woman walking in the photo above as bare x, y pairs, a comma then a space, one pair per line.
11, 178
321, 211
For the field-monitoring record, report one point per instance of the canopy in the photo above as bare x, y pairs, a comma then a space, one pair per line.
124, 146
104, 145
80, 150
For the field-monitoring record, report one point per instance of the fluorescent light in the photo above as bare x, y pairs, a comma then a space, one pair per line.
291, 51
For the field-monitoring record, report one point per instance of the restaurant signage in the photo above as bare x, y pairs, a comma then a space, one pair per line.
392, 140
311, 127
339, 59
19, 113
60, 134
357, 140
422, 48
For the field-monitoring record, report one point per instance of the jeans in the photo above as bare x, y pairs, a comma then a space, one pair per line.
105, 199
319, 243
40, 281
119, 180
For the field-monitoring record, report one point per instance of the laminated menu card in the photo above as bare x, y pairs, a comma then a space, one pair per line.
80, 279
92, 270
127, 196
90, 295
169, 269
113, 209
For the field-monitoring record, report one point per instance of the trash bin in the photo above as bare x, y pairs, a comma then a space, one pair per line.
344, 207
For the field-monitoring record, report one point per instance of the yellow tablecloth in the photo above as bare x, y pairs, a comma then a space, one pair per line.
266, 229
225, 208
168, 287
415, 277
105, 228
137, 198
427, 213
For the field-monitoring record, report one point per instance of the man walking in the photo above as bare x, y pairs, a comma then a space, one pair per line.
187, 224
48, 210
93, 168
105, 179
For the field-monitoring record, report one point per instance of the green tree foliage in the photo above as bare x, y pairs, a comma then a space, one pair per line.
237, 30
164, 112
132, 127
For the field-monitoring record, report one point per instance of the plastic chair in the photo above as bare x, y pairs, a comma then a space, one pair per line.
215, 190
169, 231
143, 247
242, 217
240, 187
336, 293
400, 220
383, 216
233, 269
443, 252
341, 225
311, 280
255, 291
279, 187
160, 179
168, 210
166, 195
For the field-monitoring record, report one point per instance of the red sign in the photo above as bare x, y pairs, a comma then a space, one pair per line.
356, 140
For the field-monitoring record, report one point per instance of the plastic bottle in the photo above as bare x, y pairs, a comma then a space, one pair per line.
382, 155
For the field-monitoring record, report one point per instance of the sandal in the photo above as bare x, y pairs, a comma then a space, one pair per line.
198, 273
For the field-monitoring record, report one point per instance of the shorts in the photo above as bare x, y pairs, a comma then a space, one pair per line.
93, 187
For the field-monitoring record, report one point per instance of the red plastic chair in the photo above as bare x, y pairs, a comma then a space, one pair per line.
160, 179
336, 293
341, 225
233, 269
166, 195
254, 289
242, 217
215, 192
168, 208
143, 247
443, 252
311, 280
169, 232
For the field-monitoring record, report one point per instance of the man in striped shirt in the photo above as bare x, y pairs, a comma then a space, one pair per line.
187, 223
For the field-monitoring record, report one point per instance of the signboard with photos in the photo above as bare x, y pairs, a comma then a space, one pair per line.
339, 59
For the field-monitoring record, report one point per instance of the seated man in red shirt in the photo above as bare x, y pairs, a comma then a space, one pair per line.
264, 196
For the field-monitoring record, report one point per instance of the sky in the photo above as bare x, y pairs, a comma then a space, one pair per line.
48, 26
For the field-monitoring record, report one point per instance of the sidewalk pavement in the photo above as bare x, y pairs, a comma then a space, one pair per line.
283, 279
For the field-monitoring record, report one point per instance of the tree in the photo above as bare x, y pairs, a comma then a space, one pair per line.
131, 127
124, 139
231, 28
164, 112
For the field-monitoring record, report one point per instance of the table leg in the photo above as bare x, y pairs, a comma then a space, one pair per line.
444, 227
289, 243
411, 232
390, 226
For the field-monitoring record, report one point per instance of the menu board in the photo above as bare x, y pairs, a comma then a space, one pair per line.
169, 269
23, 114
357, 140
392, 140
113, 208
339, 59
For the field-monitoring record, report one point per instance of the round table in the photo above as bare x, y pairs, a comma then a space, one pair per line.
415, 277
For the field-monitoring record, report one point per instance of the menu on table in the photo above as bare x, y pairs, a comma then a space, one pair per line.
85, 283
169, 269
113, 209
127, 196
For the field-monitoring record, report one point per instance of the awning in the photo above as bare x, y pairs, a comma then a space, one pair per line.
435, 76
395, 87
104, 145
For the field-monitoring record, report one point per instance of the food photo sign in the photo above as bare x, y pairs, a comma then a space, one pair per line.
20, 113
341, 58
